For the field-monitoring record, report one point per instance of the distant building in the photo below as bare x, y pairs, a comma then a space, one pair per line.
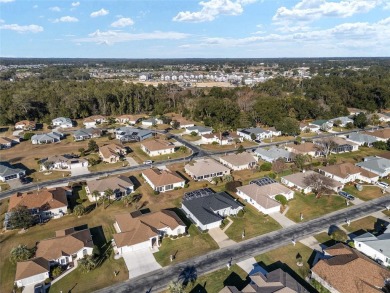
112, 153
157, 147
239, 161
87, 133
26, 125
129, 134
377, 165
120, 185
9, 172
45, 138
94, 120
62, 122
257, 133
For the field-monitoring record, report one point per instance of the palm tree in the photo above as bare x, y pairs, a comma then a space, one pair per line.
107, 195
96, 194
20, 253
128, 199
87, 263
189, 274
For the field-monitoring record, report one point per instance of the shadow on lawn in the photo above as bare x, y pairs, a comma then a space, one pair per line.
232, 280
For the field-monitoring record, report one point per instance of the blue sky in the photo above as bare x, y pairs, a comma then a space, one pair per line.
194, 28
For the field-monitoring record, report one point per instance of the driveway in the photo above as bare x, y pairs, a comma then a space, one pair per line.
140, 262
14, 183
131, 161
16, 132
79, 171
220, 237
251, 266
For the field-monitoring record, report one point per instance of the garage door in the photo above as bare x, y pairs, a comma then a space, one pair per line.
34, 279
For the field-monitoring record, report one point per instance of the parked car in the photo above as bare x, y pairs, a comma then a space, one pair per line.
258, 140
346, 195
383, 184
148, 162
39, 288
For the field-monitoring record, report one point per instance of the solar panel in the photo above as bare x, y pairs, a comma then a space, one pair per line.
263, 181
197, 193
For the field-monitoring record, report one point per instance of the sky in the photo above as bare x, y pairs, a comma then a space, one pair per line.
194, 28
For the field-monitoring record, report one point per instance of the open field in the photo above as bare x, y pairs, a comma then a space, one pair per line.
368, 192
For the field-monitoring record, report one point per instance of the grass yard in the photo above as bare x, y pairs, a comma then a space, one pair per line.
254, 224
217, 147
368, 192
50, 175
4, 186
177, 131
286, 258
367, 224
325, 239
190, 137
278, 138
144, 157
108, 166
354, 157
312, 207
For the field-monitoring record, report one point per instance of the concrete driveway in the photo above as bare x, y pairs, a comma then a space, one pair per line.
79, 171
140, 262
131, 161
220, 237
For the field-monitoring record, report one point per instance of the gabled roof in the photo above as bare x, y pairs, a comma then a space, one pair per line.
240, 159
157, 145
362, 138
132, 131
94, 118
111, 149
273, 153
344, 170
381, 133
254, 130
6, 169
205, 167
63, 120
298, 179
303, 148
262, 194
87, 132
68, 244
66, 158
47, 136
162, 177
26, 123
376, 164
379, 243
319, 122
200, 129
120, 183
32, 267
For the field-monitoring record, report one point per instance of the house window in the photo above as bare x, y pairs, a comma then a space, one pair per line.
62, 261
360, 245
85, 252
169, 187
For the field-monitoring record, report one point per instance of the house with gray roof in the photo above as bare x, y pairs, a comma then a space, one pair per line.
45, 138
207, 209
87, 133
343, 121
362, 139
200, 130
126, 134
324, 125
273, 153
9, 172
376, 247
258, 132
377, 165
62, 122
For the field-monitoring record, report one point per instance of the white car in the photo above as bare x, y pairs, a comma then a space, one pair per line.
383, 184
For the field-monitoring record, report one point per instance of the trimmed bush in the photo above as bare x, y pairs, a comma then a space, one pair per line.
156, 192
267, 166
28, 135
232, 186
186, 185
282, 199
215, 143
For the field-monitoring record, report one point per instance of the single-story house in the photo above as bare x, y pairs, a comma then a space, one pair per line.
239, 161
126, 134
306, 128
205, 169
263, 197
274, 153
8, 172
383, 117
340, 145
200, 130
324, 125
67, 246
297, 181
348, 172
157, 147
207, 209
26, 125
62, 122
120, 185
31, 271
346, 270
129, 119
376, 247
44, 203
361, 139
377, 165
87, 133
380, 134
45, 138
152, 121
62, 162
92, 121
221, 138
112, 153
343, 121
162, 180
145, 231
7, 142
258, 132
306, 148
355, 111
184, 123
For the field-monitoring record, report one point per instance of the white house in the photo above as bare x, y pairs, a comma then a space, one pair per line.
348, 172
206, 169
239, 161
145, 231
272, 154
92, 121
62, 162
31, 272
9, 172
157, 147
62, 122
120, 185
221, 138
257, 133
343, 121
152, 121
45, 138
200, 130
162, 180
377, 165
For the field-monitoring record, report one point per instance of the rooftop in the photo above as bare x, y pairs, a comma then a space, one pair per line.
239, 159
157, 145
162, 177
205, 167
120, 183
32, 267
344, 170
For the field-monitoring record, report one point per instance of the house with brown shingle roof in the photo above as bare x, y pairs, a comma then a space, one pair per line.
346, 270
31, 272
380, 134
145, 231
129, 119
120, 185
206, 169
162, 180
239, 161
112, 153
26, 125
157, 147
348, 172
307, 148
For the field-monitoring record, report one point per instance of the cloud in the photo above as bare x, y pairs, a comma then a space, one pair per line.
66, 19
55, 8
32, 28
122, 22
75, 4
211, 9
112, 37
6, 1
35, 6
100, 12
310, 10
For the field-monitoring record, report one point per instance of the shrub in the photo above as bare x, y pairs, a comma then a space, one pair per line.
272, 175
232, 186
56, 271
156, 192
140, 175
96, 250
174, 237
267, 166
193, 133
215, 143
186, 185
180, 235
176, 188
282, 199
47, 281
28, 135
79, 210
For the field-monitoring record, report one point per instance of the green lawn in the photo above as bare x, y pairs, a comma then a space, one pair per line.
312, 207
325, 239
190, 137
107, 166
278, 138
367, 224
368, 192
144, 157
254, 224
358, 156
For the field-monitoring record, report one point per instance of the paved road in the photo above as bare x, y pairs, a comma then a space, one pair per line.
158, 280
197, 153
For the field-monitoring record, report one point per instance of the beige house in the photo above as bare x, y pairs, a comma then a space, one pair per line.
348, 172
307, 148
380, 134
31, 272
239, 161
157, 147
129, 119
206, 169
145, 231
112, 153
162, 180
26, 125
92, 121
120, 185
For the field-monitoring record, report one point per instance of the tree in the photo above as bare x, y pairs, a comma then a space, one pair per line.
228, 178
374, 119
380, 145
79, 210
240, 149
56, 271
288, 126
175, 124
300, 160
87, 263
318, 183
325, 146
339, 235
93, 146
188, 275
266, 166
82, 152
282, 199
107, 195
278, 166
175, 287
349, 125
183, 149
96, 195
194, 133
360, 120
47, 164
20, 217
253, 136
21, 253
127, 199
337, 122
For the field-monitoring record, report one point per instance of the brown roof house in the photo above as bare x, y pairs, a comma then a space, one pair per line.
7, 142
225, 138
346, 270
92, 121
348, 172
277, 281
206, 169
307, 148
380, 134
239, 161
145, 231
31, 272
162, 180
120, 185
26, 125
157, 147
112, 153
45, 203
129, 119
263, 197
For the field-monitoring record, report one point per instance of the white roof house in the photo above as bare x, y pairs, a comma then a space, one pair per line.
206, 169
377, 165
62, 122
